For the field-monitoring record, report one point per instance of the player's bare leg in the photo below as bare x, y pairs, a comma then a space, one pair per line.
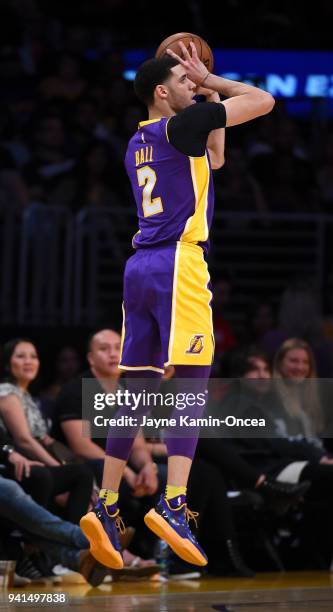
178, 470
113, 472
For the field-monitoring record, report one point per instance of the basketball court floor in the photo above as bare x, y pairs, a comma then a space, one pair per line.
292, 591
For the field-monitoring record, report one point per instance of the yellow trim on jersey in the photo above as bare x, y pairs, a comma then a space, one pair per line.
142, 123
191, 333
196, 228
122, 333
136, 233
166, 129
153, 368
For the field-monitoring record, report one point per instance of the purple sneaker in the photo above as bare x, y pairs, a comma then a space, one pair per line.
101, 527
169, 521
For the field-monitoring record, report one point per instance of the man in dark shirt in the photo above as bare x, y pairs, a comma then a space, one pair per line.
103, 359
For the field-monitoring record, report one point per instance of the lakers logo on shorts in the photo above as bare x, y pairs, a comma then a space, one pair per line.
196, 344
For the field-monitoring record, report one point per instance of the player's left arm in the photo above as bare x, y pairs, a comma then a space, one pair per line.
216, 138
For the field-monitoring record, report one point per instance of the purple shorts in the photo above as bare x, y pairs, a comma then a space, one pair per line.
167, 317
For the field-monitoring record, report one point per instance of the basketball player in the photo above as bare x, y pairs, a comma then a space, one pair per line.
167, 313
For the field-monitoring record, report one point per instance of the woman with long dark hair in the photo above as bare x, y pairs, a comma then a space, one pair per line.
22, 424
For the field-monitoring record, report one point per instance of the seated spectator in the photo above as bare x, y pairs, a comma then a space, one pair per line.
13, 189
87, 125
250, 364
295, 369
238, 189
140, 476
259, 321
103, 357
292, 190
225, 338
291, 455
50, 172
282, 168
299, 317
98, 178
62, 542
67, 366
325, 175
212, 467
67, 82
21, 422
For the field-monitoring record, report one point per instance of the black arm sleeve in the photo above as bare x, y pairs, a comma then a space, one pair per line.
188, 130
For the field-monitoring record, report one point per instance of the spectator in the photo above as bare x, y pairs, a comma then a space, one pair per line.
290, 454
98, 180
22, 422
225, 338
49, 175
325, 175
67, 366
140, 477
294, 367
238, 189
63, 542
103, 358
13, 190
87, 123
259, 321
299, 317
67, 82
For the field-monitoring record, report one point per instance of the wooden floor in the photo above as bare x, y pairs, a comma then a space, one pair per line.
296, 592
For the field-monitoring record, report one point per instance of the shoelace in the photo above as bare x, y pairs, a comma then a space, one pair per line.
190, 515
119, 523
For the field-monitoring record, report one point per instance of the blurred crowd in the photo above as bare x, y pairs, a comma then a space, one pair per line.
67, 113
269, 497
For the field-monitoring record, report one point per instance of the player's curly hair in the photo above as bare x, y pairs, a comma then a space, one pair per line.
151, 73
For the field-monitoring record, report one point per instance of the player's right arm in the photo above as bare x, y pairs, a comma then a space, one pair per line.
244, 102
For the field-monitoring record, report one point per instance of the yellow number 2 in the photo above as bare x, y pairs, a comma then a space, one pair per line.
147, 180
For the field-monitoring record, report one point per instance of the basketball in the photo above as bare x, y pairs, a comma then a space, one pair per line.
203, 49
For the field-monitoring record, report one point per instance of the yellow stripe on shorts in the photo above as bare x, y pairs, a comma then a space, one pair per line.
191, 334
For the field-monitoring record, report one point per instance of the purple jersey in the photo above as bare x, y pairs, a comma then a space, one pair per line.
174, 193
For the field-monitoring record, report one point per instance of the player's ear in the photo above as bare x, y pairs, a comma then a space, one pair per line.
161, 91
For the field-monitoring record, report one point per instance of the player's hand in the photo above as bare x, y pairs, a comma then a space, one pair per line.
326, 460
130, 477
62, 499
146, 480
196, 70
22, 465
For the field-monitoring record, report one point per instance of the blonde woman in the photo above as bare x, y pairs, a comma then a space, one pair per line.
295, 371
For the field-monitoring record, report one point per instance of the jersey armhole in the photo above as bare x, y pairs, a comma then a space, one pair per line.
166, 129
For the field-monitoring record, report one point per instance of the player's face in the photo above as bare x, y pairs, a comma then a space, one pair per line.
295, 365
180, 88
24, 363
105, 354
